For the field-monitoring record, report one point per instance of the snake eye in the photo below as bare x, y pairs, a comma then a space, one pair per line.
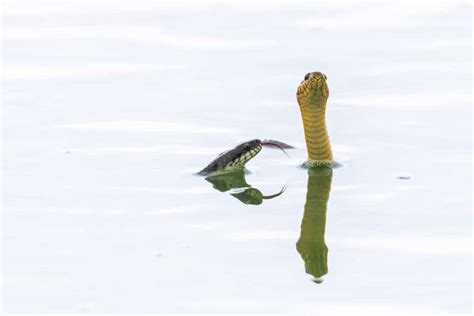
325, 78
306, 77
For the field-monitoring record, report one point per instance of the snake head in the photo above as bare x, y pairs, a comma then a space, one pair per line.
313, 90
234, 158
250, 145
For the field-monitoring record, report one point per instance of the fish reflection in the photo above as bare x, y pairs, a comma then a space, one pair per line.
311, 244
241, 190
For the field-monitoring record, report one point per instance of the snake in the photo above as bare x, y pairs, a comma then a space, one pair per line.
312, 95
236, 158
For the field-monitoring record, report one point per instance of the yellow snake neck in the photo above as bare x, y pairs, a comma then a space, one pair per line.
316, 135
312, 95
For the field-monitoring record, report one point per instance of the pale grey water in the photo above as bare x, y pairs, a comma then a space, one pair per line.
110, 106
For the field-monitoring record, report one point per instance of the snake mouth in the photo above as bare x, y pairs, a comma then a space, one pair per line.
313, 89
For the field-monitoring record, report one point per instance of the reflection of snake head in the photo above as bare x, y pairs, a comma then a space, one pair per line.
311, 245
254, 196
236, 180
315, 257
249, 196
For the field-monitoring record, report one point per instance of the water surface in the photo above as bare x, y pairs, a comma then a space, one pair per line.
110, 107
